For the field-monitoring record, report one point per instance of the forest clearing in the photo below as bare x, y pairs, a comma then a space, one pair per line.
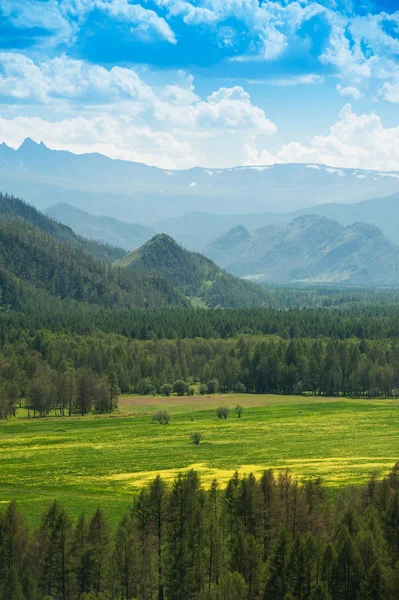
102, 460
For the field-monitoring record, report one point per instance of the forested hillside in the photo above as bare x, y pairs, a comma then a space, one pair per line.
196, 276
63, 272
15, 209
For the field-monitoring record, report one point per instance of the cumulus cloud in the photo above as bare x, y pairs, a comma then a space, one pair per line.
389, 91
66, 78
358, 47
349, 92
65, 17
122, 116
354, 141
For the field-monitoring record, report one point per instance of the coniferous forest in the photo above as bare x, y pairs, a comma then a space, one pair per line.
257, 539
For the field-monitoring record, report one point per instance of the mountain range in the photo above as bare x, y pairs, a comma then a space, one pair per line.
311, 249
137, 193
43, 262
197, 230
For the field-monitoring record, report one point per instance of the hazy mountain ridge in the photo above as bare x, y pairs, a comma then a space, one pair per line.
101, 228
140, 193
195, 275
197, 230
310, 249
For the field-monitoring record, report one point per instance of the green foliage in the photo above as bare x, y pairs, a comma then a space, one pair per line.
162, 416
212, 386
222, 412
196, 437
166, 389
239, 410
180, 387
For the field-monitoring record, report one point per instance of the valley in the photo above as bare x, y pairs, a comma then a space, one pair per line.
199, 300
104, 460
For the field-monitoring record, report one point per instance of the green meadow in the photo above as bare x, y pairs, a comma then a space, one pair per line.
93, 460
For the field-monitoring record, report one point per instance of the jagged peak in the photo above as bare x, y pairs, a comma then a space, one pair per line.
30, 145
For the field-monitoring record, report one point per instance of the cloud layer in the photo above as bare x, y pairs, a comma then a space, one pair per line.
171, 82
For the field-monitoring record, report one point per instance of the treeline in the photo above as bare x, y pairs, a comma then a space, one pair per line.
265, 539
43, 367
364, 322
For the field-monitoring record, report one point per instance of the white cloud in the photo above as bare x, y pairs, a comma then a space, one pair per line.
389, 91
308, 79
65, 17
231, 108
349, 92
355, 141
63, 77
29, 13
124, 117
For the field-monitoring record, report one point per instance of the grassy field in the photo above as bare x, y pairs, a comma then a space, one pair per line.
101, 460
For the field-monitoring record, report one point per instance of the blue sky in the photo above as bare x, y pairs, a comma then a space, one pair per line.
204, 82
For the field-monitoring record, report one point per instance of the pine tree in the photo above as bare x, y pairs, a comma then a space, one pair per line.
99, 541
276, 578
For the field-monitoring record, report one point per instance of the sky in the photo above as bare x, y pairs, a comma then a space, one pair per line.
212, 83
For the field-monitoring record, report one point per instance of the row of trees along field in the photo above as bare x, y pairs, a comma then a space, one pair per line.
265, 539
79, 373
361, 320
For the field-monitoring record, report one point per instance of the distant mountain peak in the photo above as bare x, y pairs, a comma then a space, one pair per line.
32, 150
312, 249
29, 143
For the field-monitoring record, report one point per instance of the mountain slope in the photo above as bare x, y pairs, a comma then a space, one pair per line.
381, 212
15, 209
108, 230
65, 273
137, 192
196, 276
310, 249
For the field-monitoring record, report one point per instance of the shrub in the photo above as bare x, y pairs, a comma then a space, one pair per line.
166, 389
146, 387
239, 410
180, 387
203, 389
222, 412
162, 416
213, 386
196, 437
